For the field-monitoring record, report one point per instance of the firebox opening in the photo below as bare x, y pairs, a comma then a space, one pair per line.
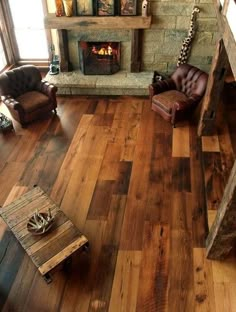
99, 58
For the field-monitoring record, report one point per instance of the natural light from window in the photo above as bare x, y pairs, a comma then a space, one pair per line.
3, 61
28, 18
231, 15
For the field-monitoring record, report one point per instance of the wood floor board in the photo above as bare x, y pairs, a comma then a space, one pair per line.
136, 203
210, 143
10, 264
199, 206
214, 181
154, 267
181, 212
113, 225
203, 282
21, 286
181, 174
138, 190
181, 283
100, 203
70, 159
158, 204
9, 177
126, 281
121, 185
111, 162
180, 145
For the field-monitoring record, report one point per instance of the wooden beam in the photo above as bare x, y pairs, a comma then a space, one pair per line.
213, 92
230, 46
63, 50
97, 22
136, 51
223, 231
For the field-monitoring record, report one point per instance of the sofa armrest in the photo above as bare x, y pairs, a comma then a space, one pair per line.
161, 86
190, 103
47, 88
10, 102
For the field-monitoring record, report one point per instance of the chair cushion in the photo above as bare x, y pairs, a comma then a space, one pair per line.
166, 99
32, 100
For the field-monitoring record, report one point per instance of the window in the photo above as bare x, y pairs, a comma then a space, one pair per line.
27, 16
231, 13
3, 61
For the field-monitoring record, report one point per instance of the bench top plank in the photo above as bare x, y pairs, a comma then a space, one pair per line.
50, 249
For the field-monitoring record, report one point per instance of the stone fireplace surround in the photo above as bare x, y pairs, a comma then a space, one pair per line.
128, 81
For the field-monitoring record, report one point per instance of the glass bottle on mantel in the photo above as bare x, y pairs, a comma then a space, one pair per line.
59, 8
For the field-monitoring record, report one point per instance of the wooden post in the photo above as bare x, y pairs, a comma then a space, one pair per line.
222, 234
135, 51
213, 92
63, 50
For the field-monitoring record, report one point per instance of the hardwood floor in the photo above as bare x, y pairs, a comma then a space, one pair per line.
135, 187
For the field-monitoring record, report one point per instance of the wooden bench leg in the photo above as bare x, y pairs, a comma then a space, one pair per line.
67, 264
86, 247
47, 277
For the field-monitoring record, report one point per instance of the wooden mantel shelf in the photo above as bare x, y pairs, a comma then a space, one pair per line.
97, 22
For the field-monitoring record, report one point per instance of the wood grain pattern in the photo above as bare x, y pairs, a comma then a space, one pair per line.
108, 163
214, 89
126, 281
94, 22
180, 145
45, 251
203, 282
153, 285
210, 143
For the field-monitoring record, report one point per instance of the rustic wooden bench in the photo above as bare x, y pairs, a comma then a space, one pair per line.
49, 249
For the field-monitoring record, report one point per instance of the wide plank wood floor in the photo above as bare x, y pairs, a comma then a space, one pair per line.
135, 187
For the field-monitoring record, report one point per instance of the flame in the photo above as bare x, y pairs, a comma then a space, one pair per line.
102, 51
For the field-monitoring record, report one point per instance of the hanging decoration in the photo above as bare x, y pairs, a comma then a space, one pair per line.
186, 45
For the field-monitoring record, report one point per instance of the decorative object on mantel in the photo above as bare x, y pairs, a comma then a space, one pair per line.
186, 45
40, 223
84, 7
68, 7
105, 7
59, 8
128, 7
145, 8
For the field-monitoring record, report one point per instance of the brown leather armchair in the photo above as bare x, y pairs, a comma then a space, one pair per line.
176, 97
26, 95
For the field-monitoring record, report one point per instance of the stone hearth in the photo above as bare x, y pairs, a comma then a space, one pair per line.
121, 83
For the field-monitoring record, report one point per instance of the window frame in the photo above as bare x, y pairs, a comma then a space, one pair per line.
9, 38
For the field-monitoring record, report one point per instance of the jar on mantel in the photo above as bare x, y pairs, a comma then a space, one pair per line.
59, 8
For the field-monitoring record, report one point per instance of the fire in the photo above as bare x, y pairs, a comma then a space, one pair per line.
102, 51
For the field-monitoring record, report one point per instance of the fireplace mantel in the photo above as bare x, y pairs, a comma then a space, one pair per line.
62, 24
97, 22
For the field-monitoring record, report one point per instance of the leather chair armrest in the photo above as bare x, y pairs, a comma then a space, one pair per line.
47, 88
190, 103
10, 102
161, 86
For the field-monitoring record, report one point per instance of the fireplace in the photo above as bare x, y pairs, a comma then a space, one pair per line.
99, 58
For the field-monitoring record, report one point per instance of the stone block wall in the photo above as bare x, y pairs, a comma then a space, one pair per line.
163, 41
171, 19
